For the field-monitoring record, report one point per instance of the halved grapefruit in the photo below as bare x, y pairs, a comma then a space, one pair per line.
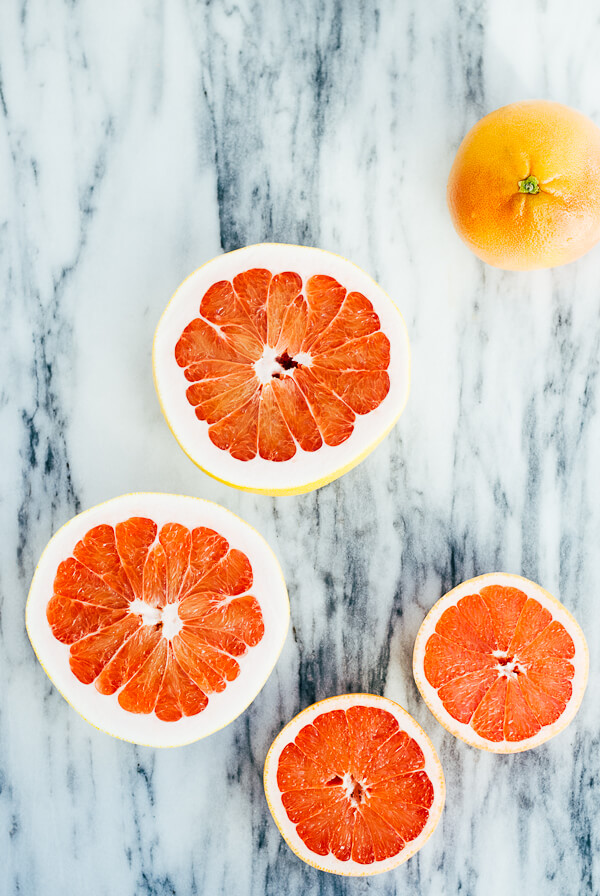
501, 663
278, 368
158, 617
354, 785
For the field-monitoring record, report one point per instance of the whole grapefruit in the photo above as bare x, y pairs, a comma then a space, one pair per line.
524, 188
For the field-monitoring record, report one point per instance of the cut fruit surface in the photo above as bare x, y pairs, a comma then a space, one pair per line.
354, 785
158, 617
280, 367
501, 663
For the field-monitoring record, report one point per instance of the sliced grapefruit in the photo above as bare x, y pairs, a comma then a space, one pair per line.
354, 785
158, 617
278, 368
501, 663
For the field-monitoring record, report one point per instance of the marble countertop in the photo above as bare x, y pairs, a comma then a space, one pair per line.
138, 140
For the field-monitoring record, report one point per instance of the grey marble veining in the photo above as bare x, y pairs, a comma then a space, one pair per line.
138, 140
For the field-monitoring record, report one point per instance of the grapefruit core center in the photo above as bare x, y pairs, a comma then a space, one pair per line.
274, 364
166, 617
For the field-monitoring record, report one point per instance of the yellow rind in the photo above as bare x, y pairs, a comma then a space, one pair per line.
317, 483
110, 733
439, 788
502, 747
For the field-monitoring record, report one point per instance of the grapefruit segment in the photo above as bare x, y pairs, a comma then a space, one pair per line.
461, 696
410, 788
334, 418
141, 692
179, 696
325, 297
231, 575
76, 581
260, 366
88, 656
97, 551
207, 549
69, 617
275, 441
319, 831
128, 659
545, 708
283, 289
133, 539
363, 391
216, 370
200, 342
293, 329
202, 674
398, 755
384, 837
533, 620
552, 676
476, 614
454, 626
504, 669
226, 667
446, 660
357, 788
505, 606
177, 544
488, 718
230, 400
222, 307
238, 431
520, 722
553, 641
252, 287
297, 772
154, 583
368, 729
355, 318
214, 388
297, 414
366, 353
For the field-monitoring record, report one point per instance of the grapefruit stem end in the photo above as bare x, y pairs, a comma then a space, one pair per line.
530, 185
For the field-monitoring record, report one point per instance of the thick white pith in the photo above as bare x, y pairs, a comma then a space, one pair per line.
306, 469
104, 711
287, 829
580, 662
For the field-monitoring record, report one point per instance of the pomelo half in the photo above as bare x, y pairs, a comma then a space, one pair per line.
158, 617
278, 368
501, 663
354, 785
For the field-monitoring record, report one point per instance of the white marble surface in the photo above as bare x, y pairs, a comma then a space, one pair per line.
140, 139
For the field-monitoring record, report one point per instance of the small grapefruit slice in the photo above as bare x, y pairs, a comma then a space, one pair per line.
158, 617
278, 368
501, 663
354, 785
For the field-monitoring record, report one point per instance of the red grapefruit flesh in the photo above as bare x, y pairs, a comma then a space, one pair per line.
343, 371
262, 365
354, 785
155, 614
163, 662
501, 663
